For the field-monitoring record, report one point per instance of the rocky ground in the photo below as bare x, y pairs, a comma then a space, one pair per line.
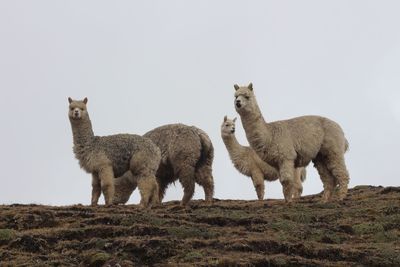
363, 230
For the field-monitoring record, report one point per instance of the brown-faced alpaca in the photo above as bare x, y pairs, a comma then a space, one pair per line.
115, 155
247, 162
293, 143
187, 154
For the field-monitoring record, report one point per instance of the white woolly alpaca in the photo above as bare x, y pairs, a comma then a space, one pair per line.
293, 143
187, 155
247, 162
115, 155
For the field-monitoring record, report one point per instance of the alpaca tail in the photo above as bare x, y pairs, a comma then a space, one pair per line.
303, 175
346, 146
204, 165
207, 148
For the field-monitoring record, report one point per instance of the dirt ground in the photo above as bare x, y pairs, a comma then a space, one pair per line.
363, 230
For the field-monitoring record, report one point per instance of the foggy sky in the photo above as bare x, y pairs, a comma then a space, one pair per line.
143, 64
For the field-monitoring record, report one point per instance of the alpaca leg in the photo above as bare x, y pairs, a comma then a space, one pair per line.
144, 166
162, 188
187, 179
208, 187
286, 178
123, 188
204, 178
107, 184
337, 167
287, 189
258, 182
155, 200
148, 188
327, 179
298, 187
96, 189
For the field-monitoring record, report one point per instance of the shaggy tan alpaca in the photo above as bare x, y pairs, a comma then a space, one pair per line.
187, 155
108, 156
293, 143
247, 162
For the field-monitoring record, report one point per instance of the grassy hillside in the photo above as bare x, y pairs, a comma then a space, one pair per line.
362, 230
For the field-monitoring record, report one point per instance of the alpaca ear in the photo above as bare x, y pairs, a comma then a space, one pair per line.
234, 120
85, 100
69, 100
236, 87
225, 118
250, 86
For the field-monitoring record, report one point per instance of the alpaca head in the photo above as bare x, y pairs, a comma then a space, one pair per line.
77, 109
228, 126
245, 101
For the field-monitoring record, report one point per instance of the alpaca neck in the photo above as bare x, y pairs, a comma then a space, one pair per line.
255, 126
82, 132
231, 143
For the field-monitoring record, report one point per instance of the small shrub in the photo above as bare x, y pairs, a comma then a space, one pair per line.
386, 237
284, 225
95, 259
193, 256
331, 238
6, 235
368, 228
300, 217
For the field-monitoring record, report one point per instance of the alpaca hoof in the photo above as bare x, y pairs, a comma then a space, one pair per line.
341, 195
289, 201
297, 195
209, 202
185, 206
327, 197
289, 204
144, 207
259, 203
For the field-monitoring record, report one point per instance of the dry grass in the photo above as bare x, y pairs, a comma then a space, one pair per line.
361, 230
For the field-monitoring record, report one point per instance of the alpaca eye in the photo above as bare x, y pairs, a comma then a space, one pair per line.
71, 109
247, 97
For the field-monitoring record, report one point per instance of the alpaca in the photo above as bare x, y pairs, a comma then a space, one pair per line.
187, 154
293, 143
115, 155
247, 162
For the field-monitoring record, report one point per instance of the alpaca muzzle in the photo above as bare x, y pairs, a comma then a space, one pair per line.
76, 115
238, 104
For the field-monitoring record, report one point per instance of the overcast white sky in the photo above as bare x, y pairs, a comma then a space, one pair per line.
143, 64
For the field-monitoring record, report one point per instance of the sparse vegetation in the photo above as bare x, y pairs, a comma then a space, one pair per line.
362, 230
193, 256
368, 228
183, 232
96, 259
6, 235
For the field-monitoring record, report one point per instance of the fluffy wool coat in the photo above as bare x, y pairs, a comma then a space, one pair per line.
186, 155
106, 157
293, 143
247, 162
